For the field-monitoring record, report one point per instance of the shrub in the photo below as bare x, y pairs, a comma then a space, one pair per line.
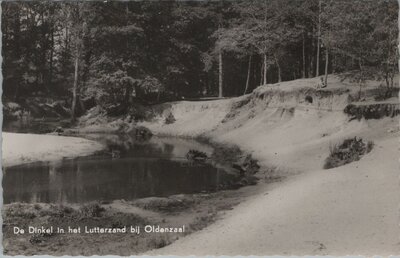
195, 155
383, 93
170, 119
120, 220
91, 210
163, 204
251, 165
350, 150
19, 212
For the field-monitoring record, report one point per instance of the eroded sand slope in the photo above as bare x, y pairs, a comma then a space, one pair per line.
352, 209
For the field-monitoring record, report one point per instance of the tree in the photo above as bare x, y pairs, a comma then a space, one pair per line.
114, 76
368, 38
78, 14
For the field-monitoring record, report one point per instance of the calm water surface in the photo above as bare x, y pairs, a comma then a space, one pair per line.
142, 168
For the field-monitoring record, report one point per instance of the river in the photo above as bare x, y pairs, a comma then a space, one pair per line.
128, 169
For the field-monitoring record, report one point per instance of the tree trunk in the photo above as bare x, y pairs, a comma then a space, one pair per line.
43, 61
66, 37
311, 58
265, 42
51, 57
248, 76
16, 47
128, 95
66, 49
75, 88
326, 66
304, 57
279, 70
158, 96
221, 76
265, 70
261, 73
81, 104
361, 79
16, 92
255, 73
318, 38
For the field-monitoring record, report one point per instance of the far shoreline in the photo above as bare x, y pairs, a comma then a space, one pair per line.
22, 148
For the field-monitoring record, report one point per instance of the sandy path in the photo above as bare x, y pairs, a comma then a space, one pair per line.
348, 210
22, 148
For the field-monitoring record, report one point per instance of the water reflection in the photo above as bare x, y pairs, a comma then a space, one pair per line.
145, 168
33, 126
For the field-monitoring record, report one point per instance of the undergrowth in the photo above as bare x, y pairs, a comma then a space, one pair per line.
350, 150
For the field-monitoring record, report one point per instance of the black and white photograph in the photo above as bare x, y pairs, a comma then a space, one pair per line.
205, 128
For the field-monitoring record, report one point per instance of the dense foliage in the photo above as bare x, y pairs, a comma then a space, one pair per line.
114, 53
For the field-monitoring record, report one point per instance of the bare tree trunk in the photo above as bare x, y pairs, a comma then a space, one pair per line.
326, 66
265, 69
318, 38
255, 74
279, 69
51, 57
75, 88
221, 76
304, 56
311, 58
265, 43
261, 73
361, 79
248, 75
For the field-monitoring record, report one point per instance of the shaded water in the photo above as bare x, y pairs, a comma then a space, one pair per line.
33, 126
155, 167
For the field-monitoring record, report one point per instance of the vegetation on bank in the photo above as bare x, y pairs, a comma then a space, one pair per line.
350, 150
372, 110
194, 211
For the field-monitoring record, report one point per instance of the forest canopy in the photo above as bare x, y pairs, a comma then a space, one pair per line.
118, 52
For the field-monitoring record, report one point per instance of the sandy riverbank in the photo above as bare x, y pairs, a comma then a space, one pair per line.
23, 148
351, 209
